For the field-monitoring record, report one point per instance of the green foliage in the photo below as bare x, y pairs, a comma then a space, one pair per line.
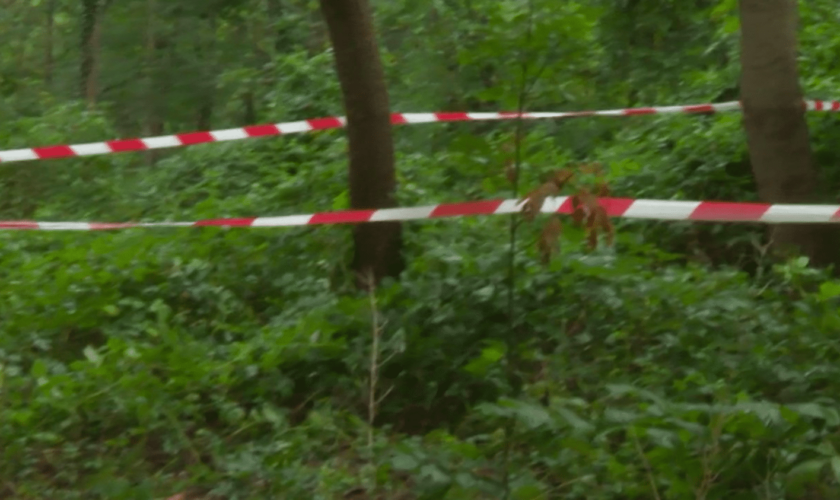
682, 362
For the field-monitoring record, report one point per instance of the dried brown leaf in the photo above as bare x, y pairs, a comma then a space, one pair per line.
592, 239
594, 168
510, 171
606, 226
561, 178
535, 199
549, 241
603, 189
578, 213
589, 200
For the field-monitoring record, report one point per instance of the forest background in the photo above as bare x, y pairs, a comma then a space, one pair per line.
685, 360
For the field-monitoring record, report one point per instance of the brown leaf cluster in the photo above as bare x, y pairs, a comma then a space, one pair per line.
587, 211
535, 199
549, 242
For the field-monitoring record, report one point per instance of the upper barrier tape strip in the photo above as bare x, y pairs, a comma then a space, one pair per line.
255, 131
711, 211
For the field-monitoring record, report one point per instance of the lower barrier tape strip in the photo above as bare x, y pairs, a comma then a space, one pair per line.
710, 211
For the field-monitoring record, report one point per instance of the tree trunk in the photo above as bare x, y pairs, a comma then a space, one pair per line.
249, 109
206, 54
49, 42
377, 246
152, 124
89, 45
276, 10
774, 119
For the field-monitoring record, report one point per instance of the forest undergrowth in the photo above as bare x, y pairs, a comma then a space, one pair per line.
600, 359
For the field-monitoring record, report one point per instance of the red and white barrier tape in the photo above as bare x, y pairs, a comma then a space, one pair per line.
234, 134
616, 207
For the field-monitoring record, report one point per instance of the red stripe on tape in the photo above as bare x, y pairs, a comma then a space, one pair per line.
640, 111
122, 145
347, 217
452, 117
398, 119
566, 207
191, 138
466, 208
727, 211
261, 130
48, 152
616, 207
701, 108
226, 222
324, 123
18, 224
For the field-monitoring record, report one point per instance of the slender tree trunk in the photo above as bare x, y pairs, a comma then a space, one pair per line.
275, 10
317, 39
48, 42
153, 121
249, 109
774, 119
207, 57
378, 246
91, 37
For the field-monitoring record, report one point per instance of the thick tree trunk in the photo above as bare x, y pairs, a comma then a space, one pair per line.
378, 246
774, 119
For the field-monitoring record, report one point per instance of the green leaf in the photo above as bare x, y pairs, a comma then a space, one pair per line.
92, 355
807, 471
529, 492
829, 290
575, 421
532, 415
39, 368
404, 462
835, 467
493, 353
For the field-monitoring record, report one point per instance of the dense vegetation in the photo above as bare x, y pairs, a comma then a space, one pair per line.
683, 361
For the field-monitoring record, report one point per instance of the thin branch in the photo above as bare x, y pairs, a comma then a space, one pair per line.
646, 463
710, 452
376, 331
514, 224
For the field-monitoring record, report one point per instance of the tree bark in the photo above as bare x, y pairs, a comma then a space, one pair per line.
206, 52
49, 42
377, 246
774, 120
276, 9
89, 45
